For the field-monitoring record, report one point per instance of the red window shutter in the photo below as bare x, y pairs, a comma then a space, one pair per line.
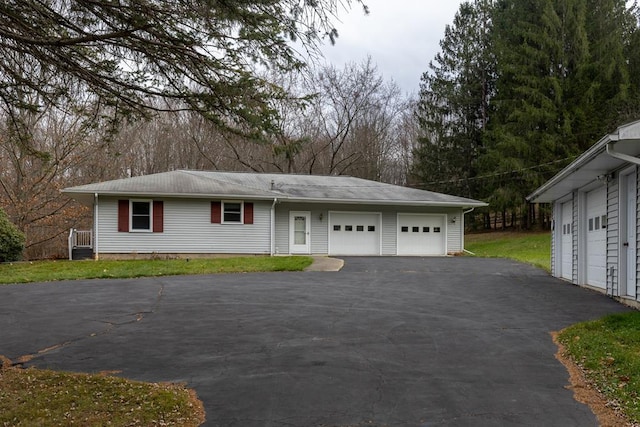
216, 212
123, 216
158, 216
248, 213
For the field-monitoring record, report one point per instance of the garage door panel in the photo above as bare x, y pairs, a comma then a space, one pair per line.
356, 233
567, 240
596, 225
421, 234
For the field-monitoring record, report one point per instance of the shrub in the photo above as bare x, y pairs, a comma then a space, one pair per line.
11, 239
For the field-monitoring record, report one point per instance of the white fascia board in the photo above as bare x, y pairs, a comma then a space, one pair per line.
280, 197
168, 195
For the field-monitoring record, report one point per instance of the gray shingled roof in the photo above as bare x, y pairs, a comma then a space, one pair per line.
261, 186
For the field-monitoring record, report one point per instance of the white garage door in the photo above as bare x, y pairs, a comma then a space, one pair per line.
354, 233
421, 234
596, 238
567, 241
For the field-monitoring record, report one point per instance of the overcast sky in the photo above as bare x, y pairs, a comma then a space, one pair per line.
400, 36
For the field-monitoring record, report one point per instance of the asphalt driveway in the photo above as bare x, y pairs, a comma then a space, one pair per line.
386, 341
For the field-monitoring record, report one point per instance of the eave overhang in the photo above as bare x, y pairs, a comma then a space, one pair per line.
594, 165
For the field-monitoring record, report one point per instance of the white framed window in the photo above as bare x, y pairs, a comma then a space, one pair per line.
232, 212
141, 213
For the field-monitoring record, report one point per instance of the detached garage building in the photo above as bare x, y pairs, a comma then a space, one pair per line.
596, 216
182, 213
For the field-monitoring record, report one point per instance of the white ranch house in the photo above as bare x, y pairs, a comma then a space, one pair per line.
596, 216
194, 213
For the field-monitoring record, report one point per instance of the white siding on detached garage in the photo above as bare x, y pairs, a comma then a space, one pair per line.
187, 230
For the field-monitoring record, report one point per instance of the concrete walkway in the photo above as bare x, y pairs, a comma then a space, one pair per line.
384, 342
325, 263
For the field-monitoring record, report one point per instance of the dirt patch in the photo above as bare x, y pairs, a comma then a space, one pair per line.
607, 412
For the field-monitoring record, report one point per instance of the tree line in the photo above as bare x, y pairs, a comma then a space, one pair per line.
351, 121
91, 92
517, 91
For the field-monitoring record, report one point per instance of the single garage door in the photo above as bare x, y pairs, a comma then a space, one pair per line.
596, 238
421, 234
354, 233
566, 249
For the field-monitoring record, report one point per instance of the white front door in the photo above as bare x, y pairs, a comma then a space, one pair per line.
299, 234
630, 238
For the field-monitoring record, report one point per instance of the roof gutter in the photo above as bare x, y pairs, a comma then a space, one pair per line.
279, 198
624, 157
463, 214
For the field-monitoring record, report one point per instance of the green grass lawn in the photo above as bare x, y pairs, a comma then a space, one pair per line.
608, 351
38, 397
44, 271
531, 247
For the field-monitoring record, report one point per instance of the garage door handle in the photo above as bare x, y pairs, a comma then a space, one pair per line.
625, 244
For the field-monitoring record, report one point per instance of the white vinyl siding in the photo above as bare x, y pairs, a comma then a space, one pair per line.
555, 212
637, 232
613, 230
576, 234
187, 230
389, 234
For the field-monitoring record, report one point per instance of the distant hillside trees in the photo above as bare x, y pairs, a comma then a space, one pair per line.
351, 121
558, 75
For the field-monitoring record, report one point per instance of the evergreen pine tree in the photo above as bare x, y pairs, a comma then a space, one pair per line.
454, 103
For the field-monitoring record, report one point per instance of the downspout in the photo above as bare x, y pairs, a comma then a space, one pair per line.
273, 225
95, 227
463, 214
617, 155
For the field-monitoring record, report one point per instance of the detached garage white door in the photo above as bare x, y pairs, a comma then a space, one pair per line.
421, 234
566, 246
597, 238
354, 233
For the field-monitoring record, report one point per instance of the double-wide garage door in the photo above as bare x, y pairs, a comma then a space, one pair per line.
359, 233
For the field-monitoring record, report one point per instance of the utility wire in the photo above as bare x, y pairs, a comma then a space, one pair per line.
493, 175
